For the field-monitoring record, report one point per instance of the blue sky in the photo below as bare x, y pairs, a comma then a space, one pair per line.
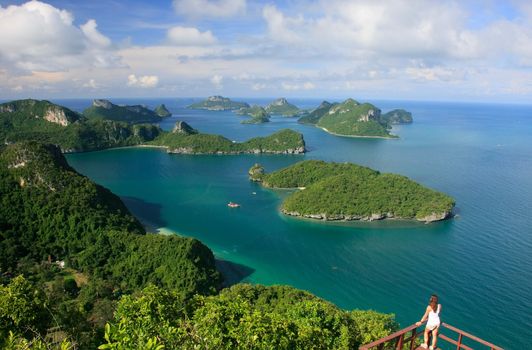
394, 49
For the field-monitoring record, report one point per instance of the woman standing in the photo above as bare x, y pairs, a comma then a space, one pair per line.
433, 324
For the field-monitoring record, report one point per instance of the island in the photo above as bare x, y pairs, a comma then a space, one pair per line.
282, 107
162, 111
257, 113
185, 140
106, 110
346, 191
315, 115
397, 116
44, 121
353, 119
218, 103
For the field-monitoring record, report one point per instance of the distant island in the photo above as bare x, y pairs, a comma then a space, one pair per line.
282, 107
351, 118
257, 113
162, 111
104, 109
34, 120
345, 191
218, 103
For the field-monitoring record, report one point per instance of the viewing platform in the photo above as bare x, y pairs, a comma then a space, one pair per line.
449, 337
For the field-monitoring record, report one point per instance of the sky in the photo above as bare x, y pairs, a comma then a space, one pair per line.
469, 50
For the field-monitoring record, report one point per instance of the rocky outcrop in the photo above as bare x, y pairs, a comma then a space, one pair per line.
256, 172
41, 109
183, 128
162, 111
106, 104
373, 217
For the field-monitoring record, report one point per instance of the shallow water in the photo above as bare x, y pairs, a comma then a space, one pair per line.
479, 263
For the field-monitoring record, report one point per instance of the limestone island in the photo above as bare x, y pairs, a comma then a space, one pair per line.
218, 103
106, 110
162, 111
257, 113
282, 107
346, 191
353, 119
31, 120
185, 140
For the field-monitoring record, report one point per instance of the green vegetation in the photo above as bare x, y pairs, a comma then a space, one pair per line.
344, 191
397, 116
105, 110
48, 212
283, 141
218, 103
20, 124
282, 107
314, 116
241, 317
351, 118
78, 134
162, 111
257, 113
162, 290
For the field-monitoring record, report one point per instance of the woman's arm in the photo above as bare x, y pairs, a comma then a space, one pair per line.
424, 318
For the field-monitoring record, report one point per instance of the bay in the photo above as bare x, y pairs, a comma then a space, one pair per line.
479, 263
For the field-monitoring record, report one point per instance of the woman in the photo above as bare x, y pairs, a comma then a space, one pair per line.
433, 324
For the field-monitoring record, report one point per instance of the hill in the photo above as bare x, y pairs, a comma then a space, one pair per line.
104, 109
162, 111
344, 191
218, 103
351, 118
397, 116
257, 113
315, 115
282, 107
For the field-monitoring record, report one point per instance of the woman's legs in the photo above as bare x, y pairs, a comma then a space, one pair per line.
435, 337
426, 337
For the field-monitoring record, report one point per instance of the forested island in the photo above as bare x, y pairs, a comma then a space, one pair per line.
351, 118
105, 110
345, 191
44, 121
78, 270
218, 103
257, 113
282, 107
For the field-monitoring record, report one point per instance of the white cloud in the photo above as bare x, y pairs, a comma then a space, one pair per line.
36, 36
91, 84
217, 81
289, 86
210, 8
93, 35
189, 36
145, 81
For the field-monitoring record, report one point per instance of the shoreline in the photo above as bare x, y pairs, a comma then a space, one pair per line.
358, 136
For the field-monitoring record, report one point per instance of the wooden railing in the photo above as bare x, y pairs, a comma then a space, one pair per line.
406, 339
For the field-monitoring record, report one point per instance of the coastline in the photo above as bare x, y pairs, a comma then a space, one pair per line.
358, 136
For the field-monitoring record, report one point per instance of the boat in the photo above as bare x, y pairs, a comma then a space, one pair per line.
233, 205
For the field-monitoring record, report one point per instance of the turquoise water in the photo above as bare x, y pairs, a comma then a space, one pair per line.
479, 263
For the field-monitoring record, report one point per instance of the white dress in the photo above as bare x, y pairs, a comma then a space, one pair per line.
434, 318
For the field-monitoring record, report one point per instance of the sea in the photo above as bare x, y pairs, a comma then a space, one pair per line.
479, 263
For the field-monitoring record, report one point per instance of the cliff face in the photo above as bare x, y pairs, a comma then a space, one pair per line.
41, 109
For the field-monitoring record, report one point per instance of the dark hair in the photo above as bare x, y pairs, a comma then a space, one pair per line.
433, 301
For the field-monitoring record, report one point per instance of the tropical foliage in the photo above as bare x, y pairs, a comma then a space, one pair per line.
350, 191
